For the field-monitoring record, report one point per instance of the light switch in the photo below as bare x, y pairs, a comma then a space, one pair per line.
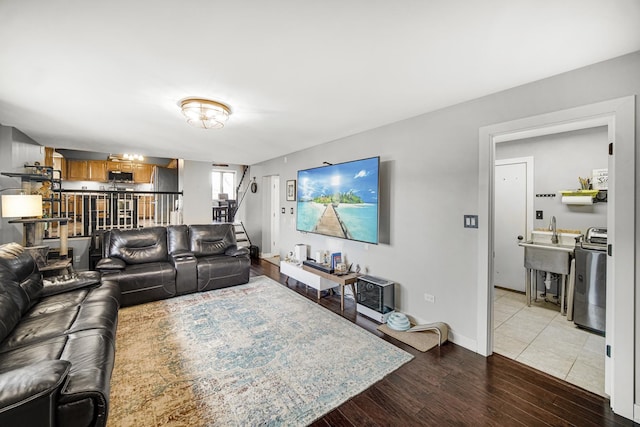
471, 221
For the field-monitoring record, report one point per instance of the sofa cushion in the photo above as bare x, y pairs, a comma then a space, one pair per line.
177, 239
139, 246
141, 283
221, 271
57, 303
17, 294
211, 239
19, 267
48, 349
9, 315
112, 264
34, 329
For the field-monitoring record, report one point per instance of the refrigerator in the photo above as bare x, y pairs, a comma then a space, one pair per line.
165, 205
164, 179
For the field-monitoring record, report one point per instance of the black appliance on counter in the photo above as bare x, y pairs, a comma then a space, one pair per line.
590, 292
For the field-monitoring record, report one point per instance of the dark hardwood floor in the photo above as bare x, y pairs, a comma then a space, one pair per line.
451, 385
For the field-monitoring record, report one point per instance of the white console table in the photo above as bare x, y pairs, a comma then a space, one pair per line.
319, 280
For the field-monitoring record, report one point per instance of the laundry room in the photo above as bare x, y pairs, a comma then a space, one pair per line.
541, 194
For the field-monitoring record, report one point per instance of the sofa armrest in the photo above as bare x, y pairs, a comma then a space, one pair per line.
180, 256
65, 283
236, 251
28, 394
110, 264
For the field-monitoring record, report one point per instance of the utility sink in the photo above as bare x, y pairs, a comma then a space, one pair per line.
541, 254
547, 257
547, 246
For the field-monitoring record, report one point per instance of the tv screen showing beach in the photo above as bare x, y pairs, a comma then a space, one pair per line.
340, 200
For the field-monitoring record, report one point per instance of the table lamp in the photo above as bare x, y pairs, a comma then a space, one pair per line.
27, 207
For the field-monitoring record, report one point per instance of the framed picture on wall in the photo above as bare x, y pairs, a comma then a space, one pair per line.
291, 190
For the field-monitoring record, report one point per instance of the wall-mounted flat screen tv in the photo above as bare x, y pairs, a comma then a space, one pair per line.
340, 200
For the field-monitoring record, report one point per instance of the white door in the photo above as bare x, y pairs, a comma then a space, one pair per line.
511, 222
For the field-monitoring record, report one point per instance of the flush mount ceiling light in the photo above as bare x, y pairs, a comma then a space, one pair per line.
204, 113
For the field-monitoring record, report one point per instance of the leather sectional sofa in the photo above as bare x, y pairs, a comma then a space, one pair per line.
57, 345
154, 263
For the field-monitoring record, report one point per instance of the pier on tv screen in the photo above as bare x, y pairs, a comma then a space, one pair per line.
340, 200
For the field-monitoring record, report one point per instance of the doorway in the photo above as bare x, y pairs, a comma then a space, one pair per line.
271, 220
618, 116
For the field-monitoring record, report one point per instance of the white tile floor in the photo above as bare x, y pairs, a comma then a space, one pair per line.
540, 337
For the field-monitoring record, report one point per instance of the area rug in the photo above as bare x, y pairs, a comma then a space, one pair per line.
422, 341
256, 354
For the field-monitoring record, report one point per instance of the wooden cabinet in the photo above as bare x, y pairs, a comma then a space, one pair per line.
142, 173
120, 166
77, 170
60, 163
86, 170
97, 170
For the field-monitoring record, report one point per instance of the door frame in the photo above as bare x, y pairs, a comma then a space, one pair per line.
274, 247
619, 117
271, 219
529, 161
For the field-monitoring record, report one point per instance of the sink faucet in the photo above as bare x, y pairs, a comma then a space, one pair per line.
554, 231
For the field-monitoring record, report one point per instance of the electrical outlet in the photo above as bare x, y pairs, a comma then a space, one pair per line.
539, 215
429, 298
77, 258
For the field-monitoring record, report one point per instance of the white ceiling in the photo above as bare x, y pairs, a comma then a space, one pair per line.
107, 76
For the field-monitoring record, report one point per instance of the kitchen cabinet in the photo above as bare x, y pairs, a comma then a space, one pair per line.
120, 166
60, 163
97, 170
142, 173
77, 170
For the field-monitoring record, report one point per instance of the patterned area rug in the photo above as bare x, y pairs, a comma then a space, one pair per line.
256, 354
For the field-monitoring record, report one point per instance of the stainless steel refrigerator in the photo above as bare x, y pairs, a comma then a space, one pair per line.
164, 180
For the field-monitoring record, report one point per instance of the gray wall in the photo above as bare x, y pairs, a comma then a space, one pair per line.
196, 188
430, 181
558, 162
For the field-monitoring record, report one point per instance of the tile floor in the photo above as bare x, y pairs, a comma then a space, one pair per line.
540, 337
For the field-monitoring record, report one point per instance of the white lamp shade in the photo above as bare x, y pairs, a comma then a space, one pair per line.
21, 205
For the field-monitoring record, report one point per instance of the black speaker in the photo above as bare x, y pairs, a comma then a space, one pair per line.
254, 252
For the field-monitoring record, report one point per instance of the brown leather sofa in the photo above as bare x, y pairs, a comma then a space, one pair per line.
154, 263
57, 345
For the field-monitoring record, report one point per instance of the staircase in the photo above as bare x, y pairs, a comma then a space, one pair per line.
242, 238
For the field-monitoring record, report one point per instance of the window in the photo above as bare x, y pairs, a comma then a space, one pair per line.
223, 182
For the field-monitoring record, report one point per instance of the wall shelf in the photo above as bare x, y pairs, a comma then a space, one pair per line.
51, 197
